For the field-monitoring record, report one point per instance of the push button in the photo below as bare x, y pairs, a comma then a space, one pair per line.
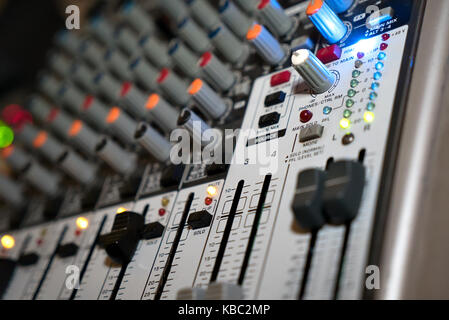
275, 98
280, 78
311, 133
199, 219
329, 54
269, 119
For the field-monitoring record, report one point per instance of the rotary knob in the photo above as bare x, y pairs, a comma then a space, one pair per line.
266, 45
234, 18
339, 6
312, 70
209, 102
275, 18
326, 21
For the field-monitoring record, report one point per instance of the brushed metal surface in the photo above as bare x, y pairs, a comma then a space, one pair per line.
415, 255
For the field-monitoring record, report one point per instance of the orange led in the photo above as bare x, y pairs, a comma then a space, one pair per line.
254, 32
40, 139
314, 7
7, 152
113, 115
152, 101
196, 86
75, 128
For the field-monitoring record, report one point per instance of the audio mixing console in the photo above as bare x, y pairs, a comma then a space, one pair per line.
209, 150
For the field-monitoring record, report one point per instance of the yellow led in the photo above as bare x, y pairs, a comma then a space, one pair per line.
8, 241
211, 190
345, 123
368, 117
82, 223
121, 210
165, 202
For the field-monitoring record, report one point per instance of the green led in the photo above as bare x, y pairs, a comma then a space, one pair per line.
327, 110
349, 103
370, 106
351, 93
6, 136
347, 113
358, 64
356, 73
372, 96
354, 83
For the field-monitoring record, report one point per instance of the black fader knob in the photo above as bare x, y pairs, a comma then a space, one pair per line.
152, 230
67, 250
343, 191
200, 219
307, 203
7, 266
28, 259
121, 242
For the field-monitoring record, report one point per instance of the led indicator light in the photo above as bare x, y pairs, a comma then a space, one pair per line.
162, 212
370, 106
211, 190
354, 83
377, 76
345, 123
305, 116
379, 66
355, 73
327, 110
121, 210
165, 202
383, 46
82, 223
360, 55
349, 103
208, 201
8, 241
368, 117
375, 85
385, 37
347, 113
358, 64
6, 136
372, 96
351, 93
381, 56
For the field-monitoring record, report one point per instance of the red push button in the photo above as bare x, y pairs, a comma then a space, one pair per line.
280, 78
329, 54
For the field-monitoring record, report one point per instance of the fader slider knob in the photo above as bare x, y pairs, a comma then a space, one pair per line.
312, 70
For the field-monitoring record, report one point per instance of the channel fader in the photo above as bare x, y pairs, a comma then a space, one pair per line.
203, 149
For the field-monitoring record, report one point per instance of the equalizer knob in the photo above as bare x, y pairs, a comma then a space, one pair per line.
161, 112
173, 87
121, 125
116, 157
266, 45
229, 46
137, 18
234, 18
156, 144
144, 73
127, 40
339, 6
195, 125
155, 51
326, 21
184, 58
275, 18
204, 13
250, 6
176, 9
193, 35
312, 70
215, 72
102, 29
208, 101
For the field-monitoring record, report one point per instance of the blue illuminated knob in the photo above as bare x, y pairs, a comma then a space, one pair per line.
339, 6
326, 21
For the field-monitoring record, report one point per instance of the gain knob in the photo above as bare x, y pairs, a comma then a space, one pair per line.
208, 101
312, 70
193, 35
215, 72
339, 6
137, 18
326, 21
204, 13
234, 18
153, 142
266, 45
275, 18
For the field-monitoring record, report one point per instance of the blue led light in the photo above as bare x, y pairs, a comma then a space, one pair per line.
382, 56
366, 45
329, 24
377, 76
373, 96
327, 110
375, 85
379, 66
370, 106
